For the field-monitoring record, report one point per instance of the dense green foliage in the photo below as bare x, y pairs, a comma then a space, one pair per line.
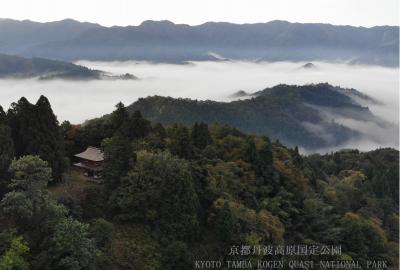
159, 191
175, 194
53, 239
13, 258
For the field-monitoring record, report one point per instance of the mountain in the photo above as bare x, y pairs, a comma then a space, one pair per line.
19, 67
309, 66
164, 41
309, 116
17, 36
12, 66
240, 94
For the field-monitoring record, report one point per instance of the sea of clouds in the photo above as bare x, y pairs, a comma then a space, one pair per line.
77, 101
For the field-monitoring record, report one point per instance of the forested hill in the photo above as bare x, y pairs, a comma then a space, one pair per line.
15, 67
174, 195
297, 115
19, 67
168, 42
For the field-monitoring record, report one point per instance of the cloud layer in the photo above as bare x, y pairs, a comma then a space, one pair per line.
77, 101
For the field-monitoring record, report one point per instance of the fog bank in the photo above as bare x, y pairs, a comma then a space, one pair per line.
77, 101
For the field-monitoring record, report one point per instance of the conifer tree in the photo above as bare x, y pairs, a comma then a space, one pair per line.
118, 116
156, 139
140, 126
3, 116
265, 153
6, 150
201, 136
6, 156
297, 159
225, 223
251, 154
130, 127
35, 131
118, 155
21, 117
50, 144
265, 161
180, 143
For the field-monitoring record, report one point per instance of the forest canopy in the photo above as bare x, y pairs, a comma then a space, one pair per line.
174, 194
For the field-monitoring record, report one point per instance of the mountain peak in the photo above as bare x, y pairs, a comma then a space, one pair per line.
69, 20
309, 65
157, 23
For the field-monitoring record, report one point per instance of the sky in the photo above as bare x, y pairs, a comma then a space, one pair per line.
132, 12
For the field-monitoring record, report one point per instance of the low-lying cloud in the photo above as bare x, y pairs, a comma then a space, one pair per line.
77, 101
375, 133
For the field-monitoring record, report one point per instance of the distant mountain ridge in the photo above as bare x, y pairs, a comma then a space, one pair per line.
164, 41
16, 67
17, 36
296, 115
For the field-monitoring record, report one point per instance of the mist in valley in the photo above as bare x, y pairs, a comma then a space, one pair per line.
78, 101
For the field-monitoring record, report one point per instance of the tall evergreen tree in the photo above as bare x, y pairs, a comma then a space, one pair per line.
160, 131
35, 131
119, 116
6, 151
250, 153
225, 223
118, 155
180, 143
297, 159
6, 147
160, 134
21, 118
201, 136
50, 143
265, 160
3, 116
140, 126
265, 152
131, 127
6, 155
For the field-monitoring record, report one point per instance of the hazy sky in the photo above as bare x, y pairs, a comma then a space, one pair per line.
133, 12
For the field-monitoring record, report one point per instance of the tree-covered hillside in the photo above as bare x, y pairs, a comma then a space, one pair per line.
296, 115
173, 195
16, 67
